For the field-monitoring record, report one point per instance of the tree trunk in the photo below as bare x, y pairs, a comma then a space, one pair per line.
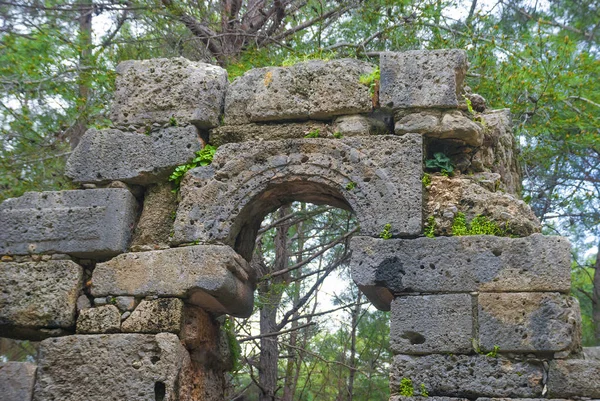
352, 361
596, 298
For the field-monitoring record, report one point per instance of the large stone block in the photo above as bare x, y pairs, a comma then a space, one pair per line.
156, 221
16, 381
153, 91
431, 324
95, 223
132, 367
103, 319
211, 276
459, 264
422, 78
156, 316
377, 177
469, 375
425, 398
315, 89
37, 297
113, 155
574, 378
528, 322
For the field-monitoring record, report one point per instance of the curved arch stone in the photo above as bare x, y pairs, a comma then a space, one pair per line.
376, 177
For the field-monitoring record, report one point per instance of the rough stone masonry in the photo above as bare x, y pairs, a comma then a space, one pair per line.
126, 284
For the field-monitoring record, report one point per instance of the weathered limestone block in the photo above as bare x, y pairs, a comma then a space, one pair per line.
574, 378
153, 91
431, 324
422, 78
125, 303
377, 177
253, 132
156, 220
441, 125
447, 196
132, 367
520, 399
103, 319
16, 381
110, 154
420, 398
37, 296
315, 89
95, 223
155, 316
469, 375
211, 276
459, 264
591, 353
359, 125
528, 322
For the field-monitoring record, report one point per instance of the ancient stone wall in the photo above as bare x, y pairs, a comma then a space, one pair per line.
127, 283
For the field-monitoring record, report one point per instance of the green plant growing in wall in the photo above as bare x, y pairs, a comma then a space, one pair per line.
406, 387
430, 227
493, 353
424, 392
203, 157
338, 135
440, 162
459, 225
469, 105
371, 80
351, 185
172, 121
313, 133
386, 233
480, 225
235, 350
426, 180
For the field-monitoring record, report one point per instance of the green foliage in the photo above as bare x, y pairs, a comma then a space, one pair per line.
406, 387
351, 185
371, 80
173, 121
426, 180
235, 349
440, 162
424, 392
459, 224
493, 353
479, 225
386, 233
469, 105
203, 158
430, 227
314, 133
338, 135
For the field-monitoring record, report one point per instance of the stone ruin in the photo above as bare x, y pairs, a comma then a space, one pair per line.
124, 282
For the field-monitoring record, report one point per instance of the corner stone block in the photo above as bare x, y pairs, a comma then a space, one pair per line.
156, 316
16, 381
315, 89
132, 367
113, 155
422, 78
211, 276
528, 322
156, 90
377, 177
38, 297
574, 378
469, 376
382, 268
92, 223
431, 324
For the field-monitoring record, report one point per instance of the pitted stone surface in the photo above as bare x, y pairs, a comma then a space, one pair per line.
442, 125
109, 155
156, 316
459, 264
528, 322
132, 367
422, 78
93, 223
254, 132
520, 399
38, 295
315, 89
469, 375
574, 378
16, 381
156, 221
103, 319
431, 324
359, 125
153, 91
377, 177
419, 398
211, 276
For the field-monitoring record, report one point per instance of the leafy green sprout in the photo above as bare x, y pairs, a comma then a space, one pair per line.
234, 346
480, 225
469, 105
371, 80
386, 233
424, 392
426, 180
172, 121
493, 353
440, 162
351, 185
203, 157
313, 133
430, 227
406, 387
338, 135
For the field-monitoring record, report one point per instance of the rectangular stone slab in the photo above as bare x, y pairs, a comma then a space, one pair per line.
211, 276
37, 297
132, 367
422, 78
92, 223
528, 322
114, 155
16, 381
468, 375
574, 378
424, 324
460, 264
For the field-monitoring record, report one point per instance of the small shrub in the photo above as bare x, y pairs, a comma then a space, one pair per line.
313, 133
480, 225
203, 158
440, 162
406, 387
351, 185
459, 224
371, 80
337, 135
234, 346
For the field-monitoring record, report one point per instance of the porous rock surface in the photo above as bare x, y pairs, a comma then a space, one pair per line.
156, 90
135, 158
38, 295
156, 221
469, 375
574, 378
314, 89
377, 177
156, 316
94, 223
528, 322
133, 367
211, 276
103, 319
17, 380
459, 264
441, 125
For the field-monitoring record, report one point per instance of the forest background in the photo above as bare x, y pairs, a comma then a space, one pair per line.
313, 336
